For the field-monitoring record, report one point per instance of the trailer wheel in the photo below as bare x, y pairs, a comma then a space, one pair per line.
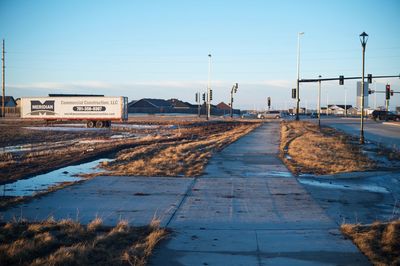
90, 124
99, 124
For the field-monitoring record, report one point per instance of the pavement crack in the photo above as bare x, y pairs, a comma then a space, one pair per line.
188, 191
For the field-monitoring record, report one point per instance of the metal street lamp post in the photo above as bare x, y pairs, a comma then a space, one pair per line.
298, 75
363, 40
319, 101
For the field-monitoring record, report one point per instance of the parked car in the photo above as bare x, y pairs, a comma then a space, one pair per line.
384, 115
314, 115
248, 116
270, 115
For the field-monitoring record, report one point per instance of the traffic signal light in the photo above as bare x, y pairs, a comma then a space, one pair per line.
369, 91
197, 97
369, 78
204, 97
210, 95
269, 101
341, 80
294, 93
236, 87
387, 92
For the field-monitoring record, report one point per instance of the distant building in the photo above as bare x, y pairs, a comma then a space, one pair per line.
366, 104
8, 101
10, 105
338, 109
223, 106
178, 104
150, 106
154, 106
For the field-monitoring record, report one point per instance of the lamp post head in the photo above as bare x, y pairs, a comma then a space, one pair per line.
209, 55
301, 33
363, 39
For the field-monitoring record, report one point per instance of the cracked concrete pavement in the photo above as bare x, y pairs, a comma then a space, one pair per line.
249, 210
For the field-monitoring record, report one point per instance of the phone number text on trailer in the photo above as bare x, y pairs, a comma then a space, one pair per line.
89, 108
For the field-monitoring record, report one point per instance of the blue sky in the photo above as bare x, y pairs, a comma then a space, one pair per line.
158, 49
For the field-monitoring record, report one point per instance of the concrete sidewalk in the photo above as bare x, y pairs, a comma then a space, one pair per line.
249, 210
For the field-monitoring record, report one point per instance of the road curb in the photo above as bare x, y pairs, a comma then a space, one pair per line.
391, 124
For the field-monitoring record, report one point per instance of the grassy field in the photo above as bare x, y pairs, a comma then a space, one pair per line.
69, 243
380, 242
306, 149
62, 148
182, 157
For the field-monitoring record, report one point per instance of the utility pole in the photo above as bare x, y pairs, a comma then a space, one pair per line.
3, 114
209, 88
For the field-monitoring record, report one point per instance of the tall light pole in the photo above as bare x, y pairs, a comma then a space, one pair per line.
3, 114
375, 96
363, 40
345, 102
209, 87
233, 90
319, 101
298, 75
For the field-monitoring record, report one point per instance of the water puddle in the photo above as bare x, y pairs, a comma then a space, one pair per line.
39, 183
344, 186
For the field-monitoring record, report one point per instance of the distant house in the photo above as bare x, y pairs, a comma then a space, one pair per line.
338, 109
178, 104
10, 106
353, 111
154, 106
223, 106
150, 106
8, 101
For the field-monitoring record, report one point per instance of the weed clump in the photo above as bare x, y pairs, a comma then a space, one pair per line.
380, 242
68, 242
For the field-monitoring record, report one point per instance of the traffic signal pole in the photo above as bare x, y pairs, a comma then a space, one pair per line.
209, 88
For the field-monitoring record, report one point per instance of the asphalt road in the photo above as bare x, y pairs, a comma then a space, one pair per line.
387, 134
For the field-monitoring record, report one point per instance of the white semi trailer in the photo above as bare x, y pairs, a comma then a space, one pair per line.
96, 111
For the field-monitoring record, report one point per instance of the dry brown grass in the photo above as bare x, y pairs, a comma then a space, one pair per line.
380, 242
185, 157
69, 243
324, 151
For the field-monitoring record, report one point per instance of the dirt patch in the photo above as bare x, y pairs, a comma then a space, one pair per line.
380, 242
307, 149
69, 243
